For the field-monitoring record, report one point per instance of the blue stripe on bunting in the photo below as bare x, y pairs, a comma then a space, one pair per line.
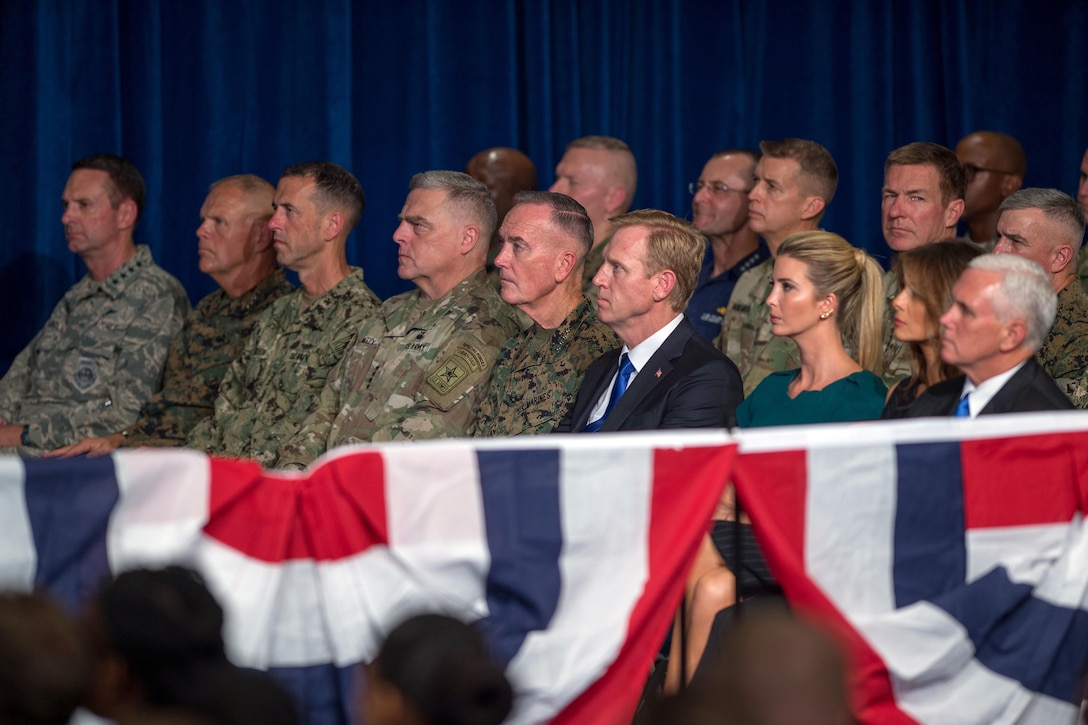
930, 554
69, 502
520, 491
1039, 644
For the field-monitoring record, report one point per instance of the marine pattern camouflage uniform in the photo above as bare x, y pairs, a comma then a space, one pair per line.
1064, 354
213, 336
746, 336
417, 369
538, 373
277, 379
98, 358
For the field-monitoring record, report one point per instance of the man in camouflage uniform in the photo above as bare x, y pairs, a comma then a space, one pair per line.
598, 172
235, 250
1047, 227
418, 368
100, 355
922, 201
795, 180
544, 242
275, 381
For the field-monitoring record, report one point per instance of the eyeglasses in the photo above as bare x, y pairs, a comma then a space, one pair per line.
714, 187
972, 170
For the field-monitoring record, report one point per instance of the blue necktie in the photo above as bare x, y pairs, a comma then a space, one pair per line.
963, 410
618, 388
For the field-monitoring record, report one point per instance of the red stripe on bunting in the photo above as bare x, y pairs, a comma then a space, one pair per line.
773, 487
336, 512
687, 486
1024, 480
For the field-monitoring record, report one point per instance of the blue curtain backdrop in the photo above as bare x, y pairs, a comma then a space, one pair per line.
193, 90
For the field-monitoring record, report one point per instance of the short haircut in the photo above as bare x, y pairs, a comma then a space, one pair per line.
256, 189
334, 186
755, 156
672, 244
951, 173
45, 669
834, 266
125, 179
568, 216
468, 195
1056, 205
819, 174
609, 143
930, 272
1024, 292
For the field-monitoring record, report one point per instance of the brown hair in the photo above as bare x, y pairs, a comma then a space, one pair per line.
950, 172
819, 174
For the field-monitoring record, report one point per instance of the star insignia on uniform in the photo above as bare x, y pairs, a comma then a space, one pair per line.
450, 372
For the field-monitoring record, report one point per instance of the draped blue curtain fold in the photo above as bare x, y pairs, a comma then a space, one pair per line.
193, 91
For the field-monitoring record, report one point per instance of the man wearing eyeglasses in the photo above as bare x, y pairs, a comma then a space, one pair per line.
719, 209
995, 166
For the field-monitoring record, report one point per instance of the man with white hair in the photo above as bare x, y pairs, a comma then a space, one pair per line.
1002, 308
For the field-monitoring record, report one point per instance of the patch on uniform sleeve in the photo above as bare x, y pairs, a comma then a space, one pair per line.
86, 375
457, 372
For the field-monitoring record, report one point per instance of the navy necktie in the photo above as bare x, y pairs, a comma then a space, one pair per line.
618, 388
963, 410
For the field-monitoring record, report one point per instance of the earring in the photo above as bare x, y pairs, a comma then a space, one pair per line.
826, 314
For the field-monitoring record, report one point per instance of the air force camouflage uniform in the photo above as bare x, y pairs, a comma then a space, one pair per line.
98, 358
538, 373
1064, 354
276, 380
417, 369
213, 336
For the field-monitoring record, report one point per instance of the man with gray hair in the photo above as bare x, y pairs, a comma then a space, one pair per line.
418, 367
598, 172
1047, 226
1002, 307
545, 239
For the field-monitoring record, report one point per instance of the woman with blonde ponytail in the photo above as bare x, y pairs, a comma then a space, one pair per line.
828, 297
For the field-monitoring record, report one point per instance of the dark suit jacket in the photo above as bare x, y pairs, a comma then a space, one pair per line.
1030, 389
686, 384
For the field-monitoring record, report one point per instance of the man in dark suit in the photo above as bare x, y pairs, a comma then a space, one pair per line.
665, 375
1002, 308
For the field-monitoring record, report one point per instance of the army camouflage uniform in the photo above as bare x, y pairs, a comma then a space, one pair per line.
897, 358
746, 336
538, 373
1064, 354
594, 260
417, 369
214, 334
98, 358
277, 379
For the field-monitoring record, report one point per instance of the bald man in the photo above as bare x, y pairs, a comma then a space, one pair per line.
598, 172
235, 249
505, 172
995, 166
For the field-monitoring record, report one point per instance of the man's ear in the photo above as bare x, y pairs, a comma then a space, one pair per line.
615, 199
1061, 257
1013, 336
664, 284
470, 237
127, 213
814, 206
564, 265
953, 212
333, 225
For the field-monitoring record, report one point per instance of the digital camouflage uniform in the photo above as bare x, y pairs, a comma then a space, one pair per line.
896, 355
594, 260
417, 369
98, 358
1064, 354
746, 336
538, 373
277, 379
213, 336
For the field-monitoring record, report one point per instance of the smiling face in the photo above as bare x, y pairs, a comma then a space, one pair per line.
912, 212
795, 305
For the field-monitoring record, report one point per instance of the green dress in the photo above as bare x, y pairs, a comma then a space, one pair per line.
859, 396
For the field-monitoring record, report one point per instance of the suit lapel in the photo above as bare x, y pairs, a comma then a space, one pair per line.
655, 371
603, 376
